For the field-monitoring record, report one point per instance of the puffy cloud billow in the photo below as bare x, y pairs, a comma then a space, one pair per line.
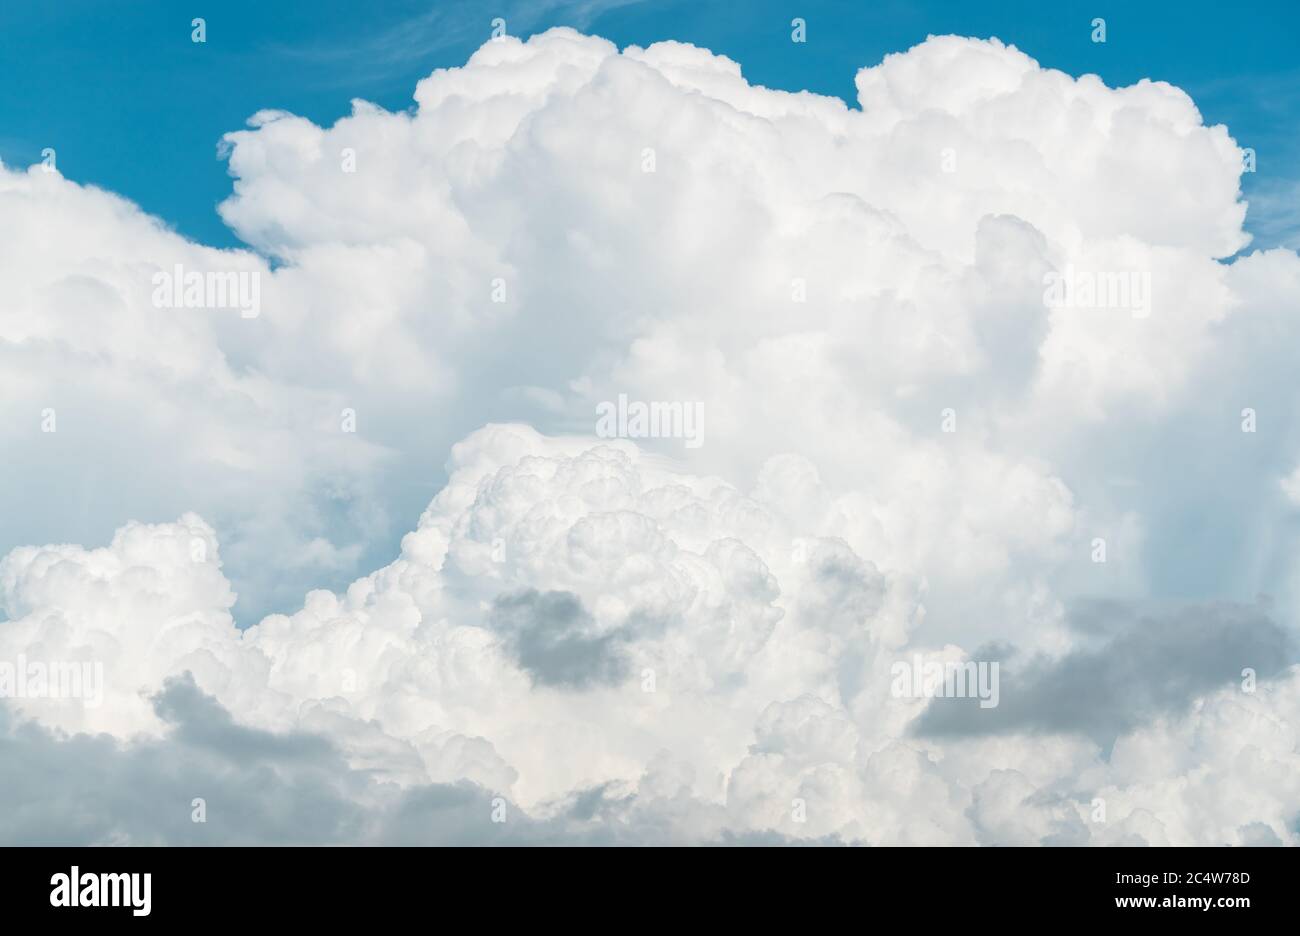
909, 451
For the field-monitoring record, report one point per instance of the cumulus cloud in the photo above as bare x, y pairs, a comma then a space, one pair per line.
909, 451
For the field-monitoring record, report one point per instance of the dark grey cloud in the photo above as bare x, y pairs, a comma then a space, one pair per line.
553, 637
1132, 667
269, 788
259, 787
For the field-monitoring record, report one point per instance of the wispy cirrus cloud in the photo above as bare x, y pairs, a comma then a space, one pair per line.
428, 35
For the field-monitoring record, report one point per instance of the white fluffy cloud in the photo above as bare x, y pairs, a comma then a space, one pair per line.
641, 637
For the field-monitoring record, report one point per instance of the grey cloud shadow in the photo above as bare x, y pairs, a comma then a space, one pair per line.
554, 638
1136, 667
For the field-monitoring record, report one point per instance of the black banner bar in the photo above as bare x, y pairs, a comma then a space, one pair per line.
150, 886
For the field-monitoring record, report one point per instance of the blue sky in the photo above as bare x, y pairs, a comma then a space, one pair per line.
132, 105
